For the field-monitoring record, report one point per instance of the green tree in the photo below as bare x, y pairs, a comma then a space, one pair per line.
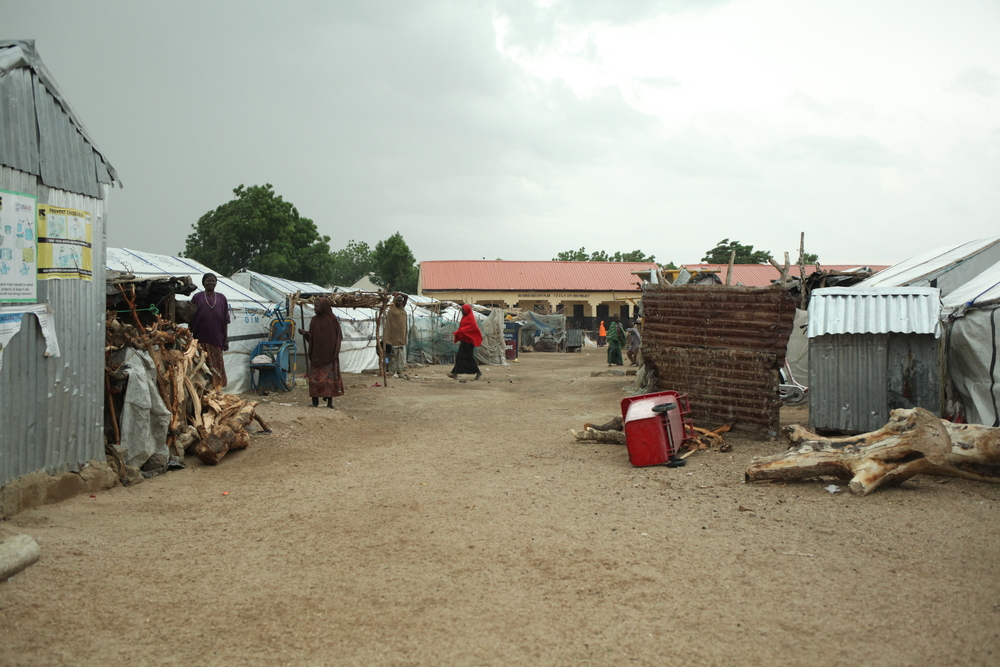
351, 263
259, 231
602, 256
810, 258
394, 265
745, 254
572, 256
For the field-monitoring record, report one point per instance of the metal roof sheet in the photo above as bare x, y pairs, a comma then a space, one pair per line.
854, 310
925, 267
39, 132
498, 275
761, 275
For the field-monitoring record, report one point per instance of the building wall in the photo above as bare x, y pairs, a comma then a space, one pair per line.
52, 408
551, 301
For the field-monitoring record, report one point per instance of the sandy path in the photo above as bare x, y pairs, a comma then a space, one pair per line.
442, 523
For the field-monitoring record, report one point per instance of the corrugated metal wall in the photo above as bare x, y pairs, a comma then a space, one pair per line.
52, 409
847, 387
856, 380
723, 347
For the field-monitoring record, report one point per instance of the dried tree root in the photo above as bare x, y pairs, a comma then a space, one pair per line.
913, 442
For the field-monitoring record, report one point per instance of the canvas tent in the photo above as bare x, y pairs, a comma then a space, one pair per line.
358, 352
946, 268
250, 313
971, 342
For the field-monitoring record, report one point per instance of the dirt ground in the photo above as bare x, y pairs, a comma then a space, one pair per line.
435, 522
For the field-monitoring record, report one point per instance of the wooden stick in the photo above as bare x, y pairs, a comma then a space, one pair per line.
305, 341
111, 406
729, 271
803, 293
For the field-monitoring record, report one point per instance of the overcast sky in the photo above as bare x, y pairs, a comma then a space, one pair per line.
516, 130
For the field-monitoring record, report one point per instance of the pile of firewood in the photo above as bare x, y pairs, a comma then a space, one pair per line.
203, 422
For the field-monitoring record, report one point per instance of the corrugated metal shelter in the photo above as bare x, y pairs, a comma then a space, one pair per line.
52, 408
721, 345
872, 351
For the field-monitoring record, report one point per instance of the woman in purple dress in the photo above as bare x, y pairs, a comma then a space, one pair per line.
210, 325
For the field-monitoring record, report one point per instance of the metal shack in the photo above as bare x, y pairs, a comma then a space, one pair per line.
872, 351
54, 185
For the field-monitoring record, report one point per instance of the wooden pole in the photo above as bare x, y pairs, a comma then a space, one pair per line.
729, 271
379, 345
111, 407
305, 341
803, 293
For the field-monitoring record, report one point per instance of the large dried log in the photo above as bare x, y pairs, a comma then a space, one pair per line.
226, 435
914, 442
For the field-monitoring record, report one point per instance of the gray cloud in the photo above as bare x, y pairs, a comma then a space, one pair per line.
829, 109
855, 150
976, 80
380, 117
533, 26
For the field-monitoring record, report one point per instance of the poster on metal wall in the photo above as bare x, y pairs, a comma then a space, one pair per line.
64, 248
18, 257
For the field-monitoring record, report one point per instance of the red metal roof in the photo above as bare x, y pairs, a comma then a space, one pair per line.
761, 275
496, 275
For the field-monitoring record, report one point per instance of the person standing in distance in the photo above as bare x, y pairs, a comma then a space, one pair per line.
210, 325
396, 334
324, 338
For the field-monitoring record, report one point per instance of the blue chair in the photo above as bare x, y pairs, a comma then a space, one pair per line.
277, 373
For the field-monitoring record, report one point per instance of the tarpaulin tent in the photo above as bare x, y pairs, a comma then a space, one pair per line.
250, 313
972, 338
358, 351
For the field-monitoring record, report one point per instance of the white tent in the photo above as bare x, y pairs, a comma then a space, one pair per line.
972, 341
250, 313
946, 268
358, 350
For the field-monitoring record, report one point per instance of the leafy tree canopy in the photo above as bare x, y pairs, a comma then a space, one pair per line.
394, 265
810, 258
602, 256
745, 254
351, 263
259, 231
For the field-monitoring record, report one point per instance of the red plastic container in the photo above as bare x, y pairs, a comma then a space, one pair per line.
653, 437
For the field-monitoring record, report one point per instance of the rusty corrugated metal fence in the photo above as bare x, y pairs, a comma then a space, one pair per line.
722, 346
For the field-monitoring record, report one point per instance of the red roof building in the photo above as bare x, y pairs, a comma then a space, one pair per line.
578, 289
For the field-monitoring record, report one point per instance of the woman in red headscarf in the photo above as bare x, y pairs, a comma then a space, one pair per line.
468, 338
324, 338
